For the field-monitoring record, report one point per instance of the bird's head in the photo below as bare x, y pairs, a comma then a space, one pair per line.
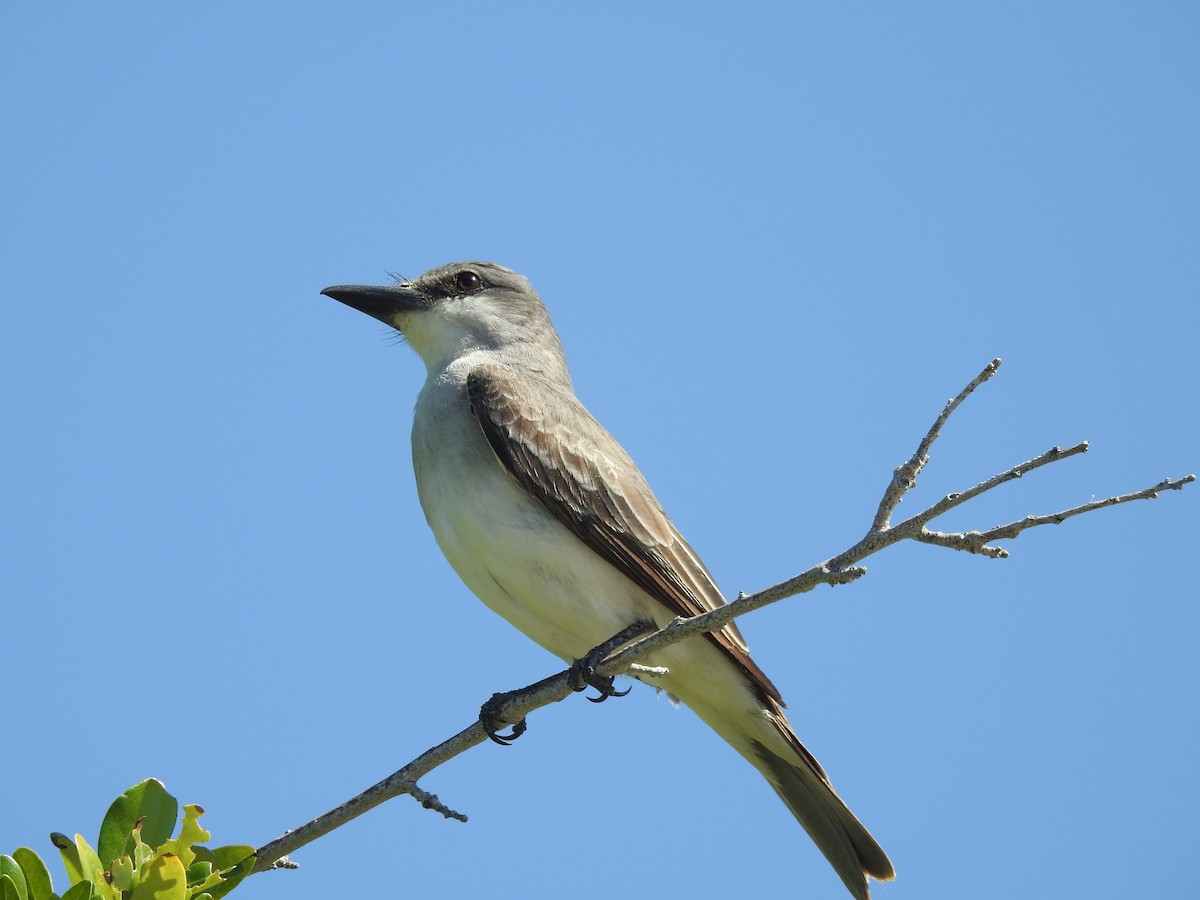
459, 308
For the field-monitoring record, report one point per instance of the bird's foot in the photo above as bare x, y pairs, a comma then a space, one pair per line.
583, 675
493, 724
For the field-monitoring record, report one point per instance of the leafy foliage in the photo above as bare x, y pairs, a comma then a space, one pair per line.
135, 857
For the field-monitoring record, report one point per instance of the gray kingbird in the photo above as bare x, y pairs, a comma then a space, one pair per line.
549, 522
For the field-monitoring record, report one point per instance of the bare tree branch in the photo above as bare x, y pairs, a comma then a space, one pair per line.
978, 541
904, 478
950, 501
620, 655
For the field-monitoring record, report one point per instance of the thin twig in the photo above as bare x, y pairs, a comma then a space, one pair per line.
649, 671
904, 478
430, 801
950, 501
979, 541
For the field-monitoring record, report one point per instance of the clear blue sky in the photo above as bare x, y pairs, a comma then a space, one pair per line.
775, 239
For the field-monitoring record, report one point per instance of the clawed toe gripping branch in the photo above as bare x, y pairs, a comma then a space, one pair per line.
622, 654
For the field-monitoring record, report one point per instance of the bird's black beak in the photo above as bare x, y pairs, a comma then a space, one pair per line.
383, 303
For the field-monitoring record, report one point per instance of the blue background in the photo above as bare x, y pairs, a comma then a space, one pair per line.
775, 239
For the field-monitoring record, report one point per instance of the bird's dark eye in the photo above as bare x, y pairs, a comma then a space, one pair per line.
467, 282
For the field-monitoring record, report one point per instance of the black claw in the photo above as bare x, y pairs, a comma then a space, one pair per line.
583, 675
492, 724
605, 687
505, 740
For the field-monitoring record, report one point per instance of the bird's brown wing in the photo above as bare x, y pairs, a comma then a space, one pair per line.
553, 447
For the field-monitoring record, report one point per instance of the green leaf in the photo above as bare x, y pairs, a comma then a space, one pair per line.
234, 864
13, 880
148, 801
37, 876
81, 891
198, 872
70, 857
122, 873
93, 870
142, 852
164, 879
225, 857
189, 833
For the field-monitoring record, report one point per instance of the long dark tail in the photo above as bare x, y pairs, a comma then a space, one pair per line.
751, 719
803, 786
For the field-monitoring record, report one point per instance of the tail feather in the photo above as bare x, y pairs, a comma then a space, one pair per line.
754, 724
803, 787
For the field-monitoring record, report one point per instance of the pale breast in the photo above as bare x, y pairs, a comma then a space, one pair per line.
504, 545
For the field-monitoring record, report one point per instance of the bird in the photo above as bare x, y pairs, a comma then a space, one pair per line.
546, 519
